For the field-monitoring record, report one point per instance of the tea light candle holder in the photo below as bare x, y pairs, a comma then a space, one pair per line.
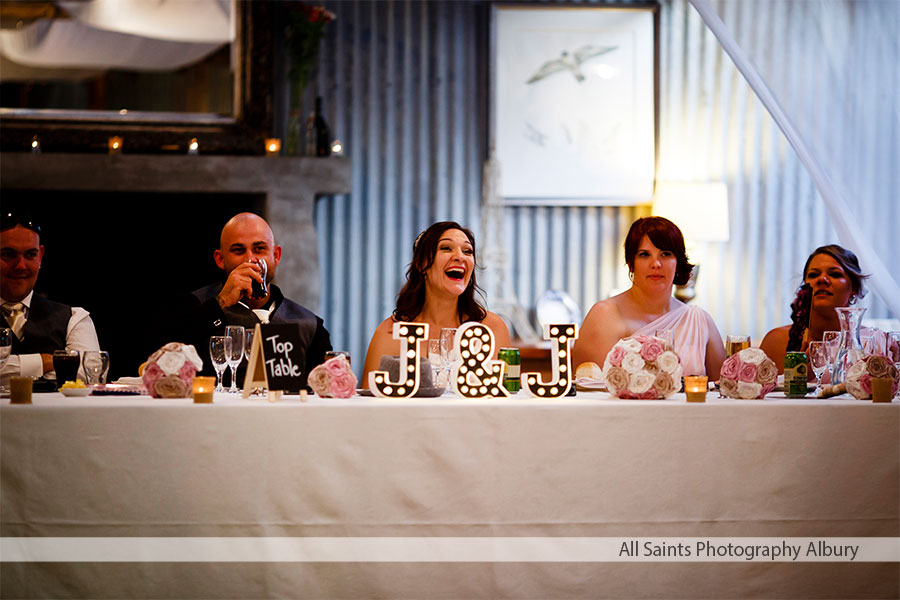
273, 147
115, 145
695, 387
35, 145
881, 389
203, 389
193, 147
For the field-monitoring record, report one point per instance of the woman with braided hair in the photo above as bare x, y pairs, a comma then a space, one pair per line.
831, 278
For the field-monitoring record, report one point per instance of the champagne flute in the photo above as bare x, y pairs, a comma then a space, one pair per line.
219, 351
436, 358
832, 340
448, 354
5, 351
236, 355
818, 360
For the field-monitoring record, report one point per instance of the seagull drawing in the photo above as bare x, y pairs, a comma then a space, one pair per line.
570, 63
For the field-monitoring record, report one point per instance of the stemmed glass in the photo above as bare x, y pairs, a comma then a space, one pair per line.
448, 355
832, 341
818, 360
236, 354
436, 358
5, 350
219, 351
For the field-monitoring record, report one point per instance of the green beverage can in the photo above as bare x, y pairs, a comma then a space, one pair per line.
795, 374
513, 360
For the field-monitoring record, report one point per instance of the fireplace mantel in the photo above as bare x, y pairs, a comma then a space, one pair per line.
290, 186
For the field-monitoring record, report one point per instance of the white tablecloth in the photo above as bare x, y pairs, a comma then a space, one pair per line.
585, 466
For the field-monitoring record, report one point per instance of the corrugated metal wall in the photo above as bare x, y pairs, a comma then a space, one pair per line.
406, 89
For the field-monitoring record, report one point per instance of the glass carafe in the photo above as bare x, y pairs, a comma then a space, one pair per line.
850, 349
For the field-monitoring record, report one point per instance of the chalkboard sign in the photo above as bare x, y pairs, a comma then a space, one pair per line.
276, 358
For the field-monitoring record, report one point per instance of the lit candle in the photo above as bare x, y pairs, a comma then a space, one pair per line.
695, 387
337, 147
35, 145
273, 147
115, 145
203, 389
194, 146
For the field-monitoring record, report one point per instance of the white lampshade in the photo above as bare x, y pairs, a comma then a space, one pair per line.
699, 209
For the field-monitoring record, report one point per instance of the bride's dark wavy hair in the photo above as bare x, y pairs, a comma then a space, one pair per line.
800, 308
411, 299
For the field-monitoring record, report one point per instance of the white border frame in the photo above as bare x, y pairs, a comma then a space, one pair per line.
564, 142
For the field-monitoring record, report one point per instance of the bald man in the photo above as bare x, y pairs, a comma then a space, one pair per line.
246, 241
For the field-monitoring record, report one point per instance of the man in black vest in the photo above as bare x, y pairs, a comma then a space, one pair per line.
39, 326
245, 241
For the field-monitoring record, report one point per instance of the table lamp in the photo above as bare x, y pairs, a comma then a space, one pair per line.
701, 212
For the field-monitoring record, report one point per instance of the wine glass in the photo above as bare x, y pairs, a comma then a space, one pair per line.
818, 360
666, 335
5, 350
236, 354
219, 351
95, 364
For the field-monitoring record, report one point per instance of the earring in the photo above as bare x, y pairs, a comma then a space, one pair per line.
631, 275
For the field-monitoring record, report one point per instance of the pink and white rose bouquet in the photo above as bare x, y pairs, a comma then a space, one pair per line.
860, 374
748, 374
641, 368
333, 379
169, 372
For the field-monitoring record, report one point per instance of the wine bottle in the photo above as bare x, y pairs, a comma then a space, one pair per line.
323, 132
309, 147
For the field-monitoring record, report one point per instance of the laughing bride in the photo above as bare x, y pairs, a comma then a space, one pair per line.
439, 290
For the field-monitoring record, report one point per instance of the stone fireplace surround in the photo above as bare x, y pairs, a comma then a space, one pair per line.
290, 187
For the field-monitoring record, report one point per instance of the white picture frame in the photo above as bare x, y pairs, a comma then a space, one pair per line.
574, 104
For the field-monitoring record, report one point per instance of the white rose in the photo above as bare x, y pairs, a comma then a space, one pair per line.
668, 362
190, 353
754, 356
630, 345
855, 389
748, 390
170, 362
857, 370
640, 382
633, 363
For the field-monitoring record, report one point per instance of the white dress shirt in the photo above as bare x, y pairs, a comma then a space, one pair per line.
80, 335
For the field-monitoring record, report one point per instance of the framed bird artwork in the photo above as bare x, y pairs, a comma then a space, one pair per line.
574, 103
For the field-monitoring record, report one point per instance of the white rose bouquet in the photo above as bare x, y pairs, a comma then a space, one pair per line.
170, 371
748, 374
640, 367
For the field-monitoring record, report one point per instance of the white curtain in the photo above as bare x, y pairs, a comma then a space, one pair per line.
838, 106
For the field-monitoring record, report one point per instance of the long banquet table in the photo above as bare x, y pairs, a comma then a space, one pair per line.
136, 467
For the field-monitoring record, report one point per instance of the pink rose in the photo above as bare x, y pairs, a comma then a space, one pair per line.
342, 384
616, 356
866, 383
648, 395
652, 348
336, 365
187, 371
747, 373
766, 388
731, 368
152, 373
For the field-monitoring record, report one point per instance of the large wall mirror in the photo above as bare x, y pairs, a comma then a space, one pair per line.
155, 73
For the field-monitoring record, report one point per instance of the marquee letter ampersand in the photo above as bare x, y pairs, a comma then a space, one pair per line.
407, 384
560, 364
474, 374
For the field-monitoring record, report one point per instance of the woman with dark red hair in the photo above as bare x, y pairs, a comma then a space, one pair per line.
656, 258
